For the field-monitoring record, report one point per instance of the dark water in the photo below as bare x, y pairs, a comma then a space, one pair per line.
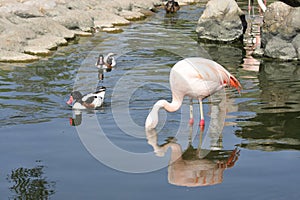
249, 148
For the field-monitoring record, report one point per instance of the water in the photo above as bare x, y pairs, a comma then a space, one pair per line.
108, 155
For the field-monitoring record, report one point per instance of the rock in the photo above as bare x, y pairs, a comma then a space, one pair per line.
11, 56
112, 30
45, 25
279, 48
75, 19
131, 15
293, 3
44, 44
109, 20
220, 21
296, 44
281, 26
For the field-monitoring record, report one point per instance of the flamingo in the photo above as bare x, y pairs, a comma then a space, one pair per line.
262, 4
197, 78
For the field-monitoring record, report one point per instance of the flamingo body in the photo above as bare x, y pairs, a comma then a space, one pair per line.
197, 78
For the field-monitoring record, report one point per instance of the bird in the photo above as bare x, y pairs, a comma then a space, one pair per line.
106, 62
172, 6
262, 5
91, 100
197, 78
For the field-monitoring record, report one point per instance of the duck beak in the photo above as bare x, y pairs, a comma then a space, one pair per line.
70, 101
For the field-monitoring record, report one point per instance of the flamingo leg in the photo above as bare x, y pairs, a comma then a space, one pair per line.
202, 123
191, 122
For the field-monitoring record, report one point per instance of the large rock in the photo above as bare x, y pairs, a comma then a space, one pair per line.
220, 21
294, 3
280, 31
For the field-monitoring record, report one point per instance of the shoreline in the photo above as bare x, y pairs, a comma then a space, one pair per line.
33, 29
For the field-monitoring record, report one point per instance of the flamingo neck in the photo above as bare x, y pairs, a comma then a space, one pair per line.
176, 152
152, 118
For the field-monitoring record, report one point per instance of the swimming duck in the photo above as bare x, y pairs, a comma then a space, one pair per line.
106, 62
89, 101
172, 6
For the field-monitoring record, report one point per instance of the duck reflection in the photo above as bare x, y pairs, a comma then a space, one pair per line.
189, 167
76, 119
30, 183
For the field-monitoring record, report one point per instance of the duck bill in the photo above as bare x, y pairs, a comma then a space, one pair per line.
70, 101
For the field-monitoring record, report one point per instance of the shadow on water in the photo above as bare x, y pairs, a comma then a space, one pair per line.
275, 125
30, 183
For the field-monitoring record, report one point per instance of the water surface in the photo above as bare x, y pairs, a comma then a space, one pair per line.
250, 147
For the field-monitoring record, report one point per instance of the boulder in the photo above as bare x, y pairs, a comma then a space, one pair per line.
293, 3
75, 19
220, 21
12, 56
281, 27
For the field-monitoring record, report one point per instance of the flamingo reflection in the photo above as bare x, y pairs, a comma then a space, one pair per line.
201, 165
188, 168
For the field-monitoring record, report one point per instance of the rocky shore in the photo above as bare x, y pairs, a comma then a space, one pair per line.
30, 29
33, 28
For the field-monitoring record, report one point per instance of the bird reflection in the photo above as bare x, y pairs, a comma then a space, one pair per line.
203, 164
252, 43
76, 119
188, 167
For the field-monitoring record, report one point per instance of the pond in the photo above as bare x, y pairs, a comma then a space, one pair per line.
249, 148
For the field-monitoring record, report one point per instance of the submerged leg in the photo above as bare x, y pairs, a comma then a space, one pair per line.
191, 122
202, 123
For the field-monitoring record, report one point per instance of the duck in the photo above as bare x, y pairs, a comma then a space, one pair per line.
91, 100
106, 62
172, 6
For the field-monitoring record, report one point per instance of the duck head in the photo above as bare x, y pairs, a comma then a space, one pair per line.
75, 96
100, 61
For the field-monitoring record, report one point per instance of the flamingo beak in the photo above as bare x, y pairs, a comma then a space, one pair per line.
70, 101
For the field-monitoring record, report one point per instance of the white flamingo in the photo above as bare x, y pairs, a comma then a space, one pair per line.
194, 77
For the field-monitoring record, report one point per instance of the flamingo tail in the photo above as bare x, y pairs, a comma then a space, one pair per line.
235, 83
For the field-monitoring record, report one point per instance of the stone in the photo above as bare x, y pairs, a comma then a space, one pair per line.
220, 21
75, 19
293, 3
281, 26
44, 44
11, 56
279, 48
131, 15
296, 44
